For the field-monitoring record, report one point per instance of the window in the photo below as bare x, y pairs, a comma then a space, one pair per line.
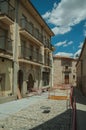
45, 78
30, 27
31, 52
73, 76
2, 82
23, 44
37, 53
36, 33
24, 21
66, 67
44, 40
3, 38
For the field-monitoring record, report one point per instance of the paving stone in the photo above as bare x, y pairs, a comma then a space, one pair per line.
33, 118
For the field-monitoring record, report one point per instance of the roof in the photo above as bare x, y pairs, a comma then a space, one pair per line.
64, 57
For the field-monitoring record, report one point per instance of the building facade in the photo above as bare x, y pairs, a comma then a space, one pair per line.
64, 70
81, 70
25, 49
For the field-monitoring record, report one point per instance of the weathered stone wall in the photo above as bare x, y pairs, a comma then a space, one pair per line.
59, 74
81, 70
83, 76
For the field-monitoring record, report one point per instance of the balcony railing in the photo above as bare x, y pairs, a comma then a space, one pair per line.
48, 46
7, 9
30, 29
30, 54
68, 70
47, 61
6, 45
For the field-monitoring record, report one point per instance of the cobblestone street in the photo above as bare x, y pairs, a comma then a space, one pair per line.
44, 114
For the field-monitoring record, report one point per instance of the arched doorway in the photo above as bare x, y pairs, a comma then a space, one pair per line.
30, 83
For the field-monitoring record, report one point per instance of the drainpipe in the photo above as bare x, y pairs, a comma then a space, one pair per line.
52, 72
15, 49
41, 73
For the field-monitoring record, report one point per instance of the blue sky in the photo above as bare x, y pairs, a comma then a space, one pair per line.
67, 19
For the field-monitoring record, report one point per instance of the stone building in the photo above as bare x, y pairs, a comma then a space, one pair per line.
25, 49
64, 71
81, 70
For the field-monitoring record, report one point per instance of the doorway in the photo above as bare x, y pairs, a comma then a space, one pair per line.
2, 81
20, 80
30, 83
66, 79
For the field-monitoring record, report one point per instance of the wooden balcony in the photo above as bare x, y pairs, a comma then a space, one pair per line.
7, 12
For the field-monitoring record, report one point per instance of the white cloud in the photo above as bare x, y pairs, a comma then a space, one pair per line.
61, 30
46, 15
85, 24
77, 54
65, 15
60, 43
80, 45
64, 54
69, 43
64, 43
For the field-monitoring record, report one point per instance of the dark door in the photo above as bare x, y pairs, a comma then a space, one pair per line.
20, 79
2, 82
30, 83
66, 79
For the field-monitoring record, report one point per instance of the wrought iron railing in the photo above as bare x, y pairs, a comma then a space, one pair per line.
6, 44
7, 9
28, 26
30, 29
47, 61
29, 54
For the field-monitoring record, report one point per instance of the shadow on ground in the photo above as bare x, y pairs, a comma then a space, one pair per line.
60, 122
81, 120
80, 109
79, 96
